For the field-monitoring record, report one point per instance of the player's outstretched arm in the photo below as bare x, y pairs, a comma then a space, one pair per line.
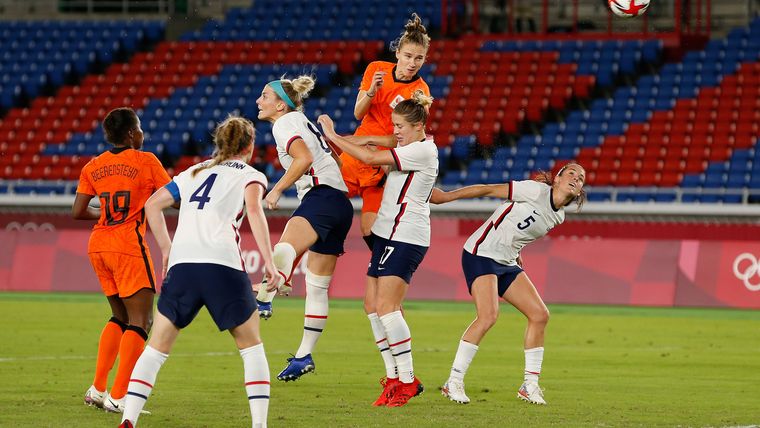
374, 140
154, 207
476, 191
260, 228
369, 157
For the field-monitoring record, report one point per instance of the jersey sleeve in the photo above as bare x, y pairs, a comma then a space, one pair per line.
85, 186
257, 178
524, 190
412, 157
285, 132
367, 78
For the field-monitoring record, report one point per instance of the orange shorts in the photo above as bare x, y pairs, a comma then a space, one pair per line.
364, 181
123, 274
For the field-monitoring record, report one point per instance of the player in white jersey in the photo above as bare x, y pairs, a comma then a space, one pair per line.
492, 266
321, 222
401, 237
203, 265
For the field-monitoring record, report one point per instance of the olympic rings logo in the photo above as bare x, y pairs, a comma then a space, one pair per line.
29, 227
746, 266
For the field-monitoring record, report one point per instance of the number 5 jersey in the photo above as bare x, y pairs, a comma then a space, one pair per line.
211, 211
527, 215
123, 179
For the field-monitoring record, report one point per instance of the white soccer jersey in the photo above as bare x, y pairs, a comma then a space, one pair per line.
324, 169
404, 214
528, 215
211, 212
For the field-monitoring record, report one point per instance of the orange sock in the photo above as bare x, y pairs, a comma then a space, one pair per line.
132, 344
108, 348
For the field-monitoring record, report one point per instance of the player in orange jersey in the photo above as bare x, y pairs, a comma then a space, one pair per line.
384, 85
123, 178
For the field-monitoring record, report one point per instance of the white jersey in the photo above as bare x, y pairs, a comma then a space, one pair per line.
324, 169
404, 214
529, 216
212, 210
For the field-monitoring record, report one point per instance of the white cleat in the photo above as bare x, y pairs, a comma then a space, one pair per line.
93, 397
113, 405
531, 392
454, 390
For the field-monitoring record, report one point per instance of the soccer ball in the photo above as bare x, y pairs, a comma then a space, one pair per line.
628, 8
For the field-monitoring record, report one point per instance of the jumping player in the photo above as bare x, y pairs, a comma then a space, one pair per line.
383, 86
492, 267
401, 237
205, 265
321, 222
123, 178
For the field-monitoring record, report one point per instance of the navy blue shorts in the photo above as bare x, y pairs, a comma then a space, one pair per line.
225, 292
393, 258
474, 266
329, 212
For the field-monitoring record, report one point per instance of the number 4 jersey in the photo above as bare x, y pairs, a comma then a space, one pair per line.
527, 215
211, 211
123, 179
323, 170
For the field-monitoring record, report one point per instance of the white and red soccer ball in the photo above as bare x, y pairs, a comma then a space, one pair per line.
628, 8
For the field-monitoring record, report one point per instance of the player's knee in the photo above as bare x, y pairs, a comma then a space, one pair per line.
488, 318
540, 316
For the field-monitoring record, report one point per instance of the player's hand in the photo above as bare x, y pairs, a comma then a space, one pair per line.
520, 262
272, 276
438, 196
327, 124
377, 83
272, 198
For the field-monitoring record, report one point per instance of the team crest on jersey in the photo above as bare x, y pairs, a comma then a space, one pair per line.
396, 100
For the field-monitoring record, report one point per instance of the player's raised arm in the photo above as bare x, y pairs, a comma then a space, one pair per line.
475, 191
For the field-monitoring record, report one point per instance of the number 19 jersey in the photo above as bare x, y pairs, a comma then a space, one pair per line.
323, 170
211, 212
528, 215
123, 179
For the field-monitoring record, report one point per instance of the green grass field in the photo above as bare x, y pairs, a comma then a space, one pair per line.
604, 366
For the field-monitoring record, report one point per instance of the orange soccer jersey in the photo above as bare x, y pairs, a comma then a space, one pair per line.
357, 175
123, 179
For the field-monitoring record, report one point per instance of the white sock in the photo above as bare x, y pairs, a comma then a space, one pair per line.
283, 256
315, 313
256, 383
462, 360
533, 359
378, 331
400, 342
141, 382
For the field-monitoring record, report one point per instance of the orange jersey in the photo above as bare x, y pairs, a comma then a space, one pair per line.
123, 179
377, 121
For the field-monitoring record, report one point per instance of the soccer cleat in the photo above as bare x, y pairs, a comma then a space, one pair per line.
454, 390
93, 397
127, 424
113, 405
296, 368
531, 392
403, 392
389, 385
265, 310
